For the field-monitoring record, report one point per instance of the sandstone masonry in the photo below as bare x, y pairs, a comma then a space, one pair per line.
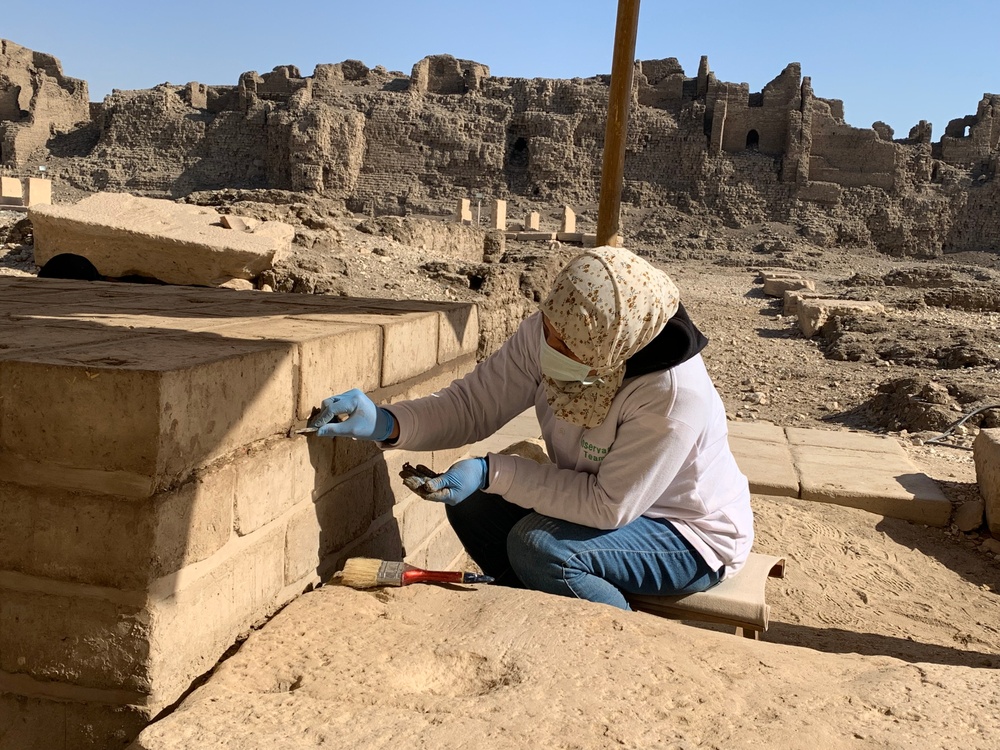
155, 508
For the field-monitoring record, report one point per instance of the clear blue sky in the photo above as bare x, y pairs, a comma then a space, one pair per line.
888, 60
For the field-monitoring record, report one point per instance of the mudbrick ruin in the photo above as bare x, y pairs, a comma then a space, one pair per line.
399, 144
357, 219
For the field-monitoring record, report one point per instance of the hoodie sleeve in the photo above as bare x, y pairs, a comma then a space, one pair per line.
477, 405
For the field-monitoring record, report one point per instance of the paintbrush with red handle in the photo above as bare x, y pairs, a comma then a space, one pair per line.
366, 573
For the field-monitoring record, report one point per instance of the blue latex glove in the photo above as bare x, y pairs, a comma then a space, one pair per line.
353, 414
460, 481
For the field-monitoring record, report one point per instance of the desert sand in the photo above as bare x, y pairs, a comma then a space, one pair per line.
883, 635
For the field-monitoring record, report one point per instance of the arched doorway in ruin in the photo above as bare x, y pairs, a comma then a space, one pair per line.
753, 140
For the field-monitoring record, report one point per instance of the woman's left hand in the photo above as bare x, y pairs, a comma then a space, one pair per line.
456, 484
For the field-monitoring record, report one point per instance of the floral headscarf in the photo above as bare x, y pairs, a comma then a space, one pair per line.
606, 304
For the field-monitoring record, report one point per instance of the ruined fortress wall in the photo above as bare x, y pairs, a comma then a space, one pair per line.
400, 143
851, 157
976, 224
36, 99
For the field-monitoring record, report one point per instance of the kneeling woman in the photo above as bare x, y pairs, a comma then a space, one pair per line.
643, 495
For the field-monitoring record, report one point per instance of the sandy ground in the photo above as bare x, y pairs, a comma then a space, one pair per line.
883, 635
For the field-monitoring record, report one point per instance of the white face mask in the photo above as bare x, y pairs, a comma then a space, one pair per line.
560, 367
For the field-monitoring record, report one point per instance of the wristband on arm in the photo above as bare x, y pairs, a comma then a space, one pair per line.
384, 425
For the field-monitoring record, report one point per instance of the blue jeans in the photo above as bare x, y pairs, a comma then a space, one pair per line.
521, 548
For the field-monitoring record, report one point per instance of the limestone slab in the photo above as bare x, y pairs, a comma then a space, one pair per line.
409, 340
766, 274
124, 235
778, 287
813, 313
10, 191
319, 528
38, 191
986, 454
765, 431
199, 613
441, 550
911, 496
792, 297
767, 465
882, 483
113, 541
42, 722
418, 520
80, 639
842, 440
332, 356
146, 410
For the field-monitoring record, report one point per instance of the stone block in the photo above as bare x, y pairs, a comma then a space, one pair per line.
536, 236
38, 192
767, 274
318, 530
765, 431
792, 298
498, 216
123, 235
844, 440
28, 722
531, 220
271, 478
911, 497
389, 488
11, 192
778, 287
813, 313
880, 482
333, 355
574, 237
112, 541
74, 636
418, 520
463, 211
409, 339
133, 415
458, 333
239, 223
200, 612
986, 455
440, 550
568, 220
381, 542
768, 466
433, 380
443, 460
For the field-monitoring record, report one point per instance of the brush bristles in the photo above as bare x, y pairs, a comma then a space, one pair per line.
361, 573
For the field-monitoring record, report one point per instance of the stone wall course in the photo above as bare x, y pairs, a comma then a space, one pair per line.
113, 541
211, 396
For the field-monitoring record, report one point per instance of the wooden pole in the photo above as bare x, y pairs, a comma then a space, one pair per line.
619, 97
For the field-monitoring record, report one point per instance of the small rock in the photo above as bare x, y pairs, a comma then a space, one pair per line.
992, 546
239, 284
969, 515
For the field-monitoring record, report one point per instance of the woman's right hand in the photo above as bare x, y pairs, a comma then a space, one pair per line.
352, 414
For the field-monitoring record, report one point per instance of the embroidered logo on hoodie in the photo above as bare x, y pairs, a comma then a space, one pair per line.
592, 452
